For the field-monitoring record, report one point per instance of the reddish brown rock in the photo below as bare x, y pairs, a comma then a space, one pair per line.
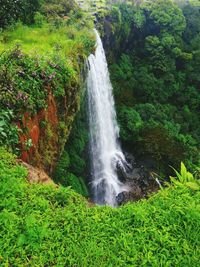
34, 135
44, 134
39, 138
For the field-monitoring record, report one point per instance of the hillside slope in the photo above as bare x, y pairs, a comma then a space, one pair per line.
46, 226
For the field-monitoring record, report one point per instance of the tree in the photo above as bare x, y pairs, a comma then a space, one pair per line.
167, 16
24, 10
58, 7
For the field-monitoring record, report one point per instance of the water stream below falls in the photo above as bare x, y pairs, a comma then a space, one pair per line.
105, 152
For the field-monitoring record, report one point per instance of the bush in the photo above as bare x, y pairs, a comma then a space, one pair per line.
24, 10
24, 79
39, 19
56, 226
72, 164
130, 123
155, 73
63, 176
58, 8
9, 132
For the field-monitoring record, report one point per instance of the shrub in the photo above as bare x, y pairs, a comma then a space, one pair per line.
55, 226
185, 178
130, 123
9, 132
39, 19
24, 10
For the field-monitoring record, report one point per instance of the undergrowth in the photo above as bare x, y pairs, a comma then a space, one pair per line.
73, 163
69, 40
43, 225
8, 130
35, 59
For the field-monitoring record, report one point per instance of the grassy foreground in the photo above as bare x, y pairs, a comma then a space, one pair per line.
45, 226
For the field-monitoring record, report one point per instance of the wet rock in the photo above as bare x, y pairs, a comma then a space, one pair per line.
133, 174
133, 195
138, 178
122, 198
136, 191
130, 158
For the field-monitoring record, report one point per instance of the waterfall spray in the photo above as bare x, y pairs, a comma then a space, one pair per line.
105, 151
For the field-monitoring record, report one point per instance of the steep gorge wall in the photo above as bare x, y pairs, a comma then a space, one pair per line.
48, 130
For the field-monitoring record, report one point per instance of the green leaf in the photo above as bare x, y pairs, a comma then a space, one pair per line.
2, 123
4, 134
183, 172
190, 177
193, 186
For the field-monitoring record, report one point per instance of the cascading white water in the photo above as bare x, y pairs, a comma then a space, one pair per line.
105, 151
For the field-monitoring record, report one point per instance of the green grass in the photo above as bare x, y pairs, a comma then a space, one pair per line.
33, 57
45, 40
45, 226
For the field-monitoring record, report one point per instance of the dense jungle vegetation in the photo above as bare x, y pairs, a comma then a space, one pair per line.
154, 53
153, 50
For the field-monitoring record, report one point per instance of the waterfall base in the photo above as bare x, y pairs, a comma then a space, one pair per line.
141, 181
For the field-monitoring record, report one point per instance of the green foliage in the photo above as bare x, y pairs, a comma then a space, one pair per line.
122, 76
185, 178
77, 184
155, 73
39, 19
40, 63
40, 59
8, 131
72, 164
24, 10
59, 7
19, 87
130, 123
166, 15
194, 2
55, 226
63, 176
29, 11
77, 143
24, 80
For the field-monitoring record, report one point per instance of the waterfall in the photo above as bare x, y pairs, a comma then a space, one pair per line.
105, 151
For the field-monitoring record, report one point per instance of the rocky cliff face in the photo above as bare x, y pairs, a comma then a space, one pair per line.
44, 135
